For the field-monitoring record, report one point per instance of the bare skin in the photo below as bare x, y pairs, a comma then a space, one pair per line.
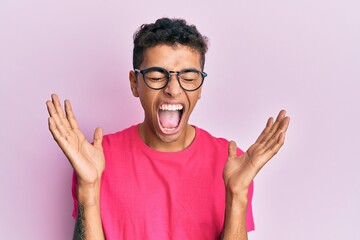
240, 171
88, 162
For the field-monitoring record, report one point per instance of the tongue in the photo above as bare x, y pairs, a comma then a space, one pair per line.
169, 119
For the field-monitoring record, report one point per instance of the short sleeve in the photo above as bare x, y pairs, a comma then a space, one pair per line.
74, 195
250, 226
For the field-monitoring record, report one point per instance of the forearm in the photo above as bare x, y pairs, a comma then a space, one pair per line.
235, 217
88, 224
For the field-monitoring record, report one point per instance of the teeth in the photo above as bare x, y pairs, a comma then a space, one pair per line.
169, 129
171, 107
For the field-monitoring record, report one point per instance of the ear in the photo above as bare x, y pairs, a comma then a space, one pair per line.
133, 83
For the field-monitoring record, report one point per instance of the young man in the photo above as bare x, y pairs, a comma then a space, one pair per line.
163, 178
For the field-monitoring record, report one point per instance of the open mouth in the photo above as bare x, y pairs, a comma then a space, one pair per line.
170, 117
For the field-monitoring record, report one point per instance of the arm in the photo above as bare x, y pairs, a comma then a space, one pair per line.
88, 221
88, 162
240, 171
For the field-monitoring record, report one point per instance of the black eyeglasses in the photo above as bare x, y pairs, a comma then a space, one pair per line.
157, 78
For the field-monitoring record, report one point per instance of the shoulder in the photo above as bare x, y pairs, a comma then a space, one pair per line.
209, 140
124, 136
206, 136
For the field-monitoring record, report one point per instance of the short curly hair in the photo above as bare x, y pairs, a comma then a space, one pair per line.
168, 32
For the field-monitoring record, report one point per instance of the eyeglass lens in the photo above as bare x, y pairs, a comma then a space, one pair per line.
190, 79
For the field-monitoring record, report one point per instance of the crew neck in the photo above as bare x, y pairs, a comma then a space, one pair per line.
167, 155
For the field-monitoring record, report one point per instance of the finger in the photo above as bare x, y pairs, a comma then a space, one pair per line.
59, 109
70, 115
281, 138
55, 132
285, 124
275, 127
54, 108
64, 131
232, 149
275, 147
98, 137
282, 129
270, 143
281, 115
266, 130
51, 108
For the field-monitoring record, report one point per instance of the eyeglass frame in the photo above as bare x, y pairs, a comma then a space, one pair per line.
178, 73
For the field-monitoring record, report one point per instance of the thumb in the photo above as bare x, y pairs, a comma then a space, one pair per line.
232, 149
98, 137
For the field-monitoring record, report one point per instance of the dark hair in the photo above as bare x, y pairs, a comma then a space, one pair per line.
168, 32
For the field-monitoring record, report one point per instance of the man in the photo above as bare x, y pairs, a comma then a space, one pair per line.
163, 178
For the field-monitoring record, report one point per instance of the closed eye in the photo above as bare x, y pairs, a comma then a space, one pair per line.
188, 79
156, 79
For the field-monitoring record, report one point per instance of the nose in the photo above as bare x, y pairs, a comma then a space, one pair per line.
173, 88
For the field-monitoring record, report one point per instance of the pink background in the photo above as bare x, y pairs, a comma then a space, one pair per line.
303, 56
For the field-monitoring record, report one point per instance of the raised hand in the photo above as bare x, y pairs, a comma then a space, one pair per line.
239, 171
87, 160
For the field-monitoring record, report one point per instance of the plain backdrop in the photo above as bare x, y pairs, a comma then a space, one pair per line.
303, 56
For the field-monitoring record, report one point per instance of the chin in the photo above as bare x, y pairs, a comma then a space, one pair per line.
169, 138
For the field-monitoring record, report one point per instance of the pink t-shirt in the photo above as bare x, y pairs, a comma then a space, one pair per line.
146, 194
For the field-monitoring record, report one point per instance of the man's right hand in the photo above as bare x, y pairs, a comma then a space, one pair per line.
87, 159
88, 162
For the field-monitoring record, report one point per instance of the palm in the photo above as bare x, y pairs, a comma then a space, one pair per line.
239, 171
87, 160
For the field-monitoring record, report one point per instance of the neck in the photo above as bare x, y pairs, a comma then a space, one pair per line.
180, 143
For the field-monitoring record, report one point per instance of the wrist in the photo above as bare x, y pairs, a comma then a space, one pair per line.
236, 200
89, 195
235, 216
